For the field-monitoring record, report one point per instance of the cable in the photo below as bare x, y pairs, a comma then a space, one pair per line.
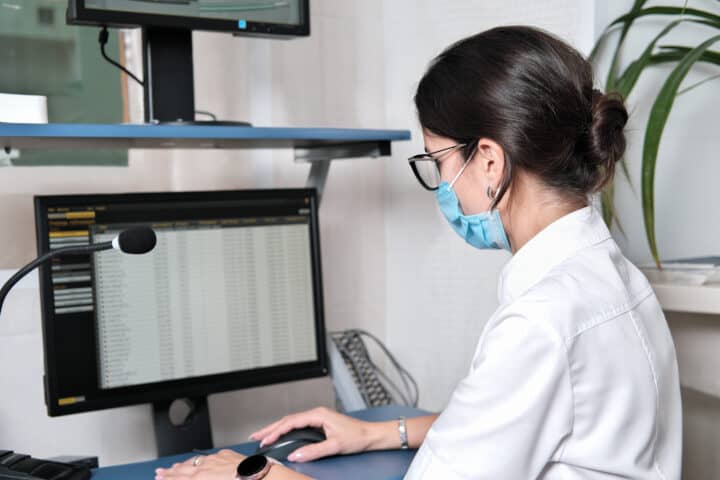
103, 39
402, 372
209, 114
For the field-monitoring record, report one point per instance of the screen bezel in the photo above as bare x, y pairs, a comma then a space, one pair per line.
79, 14
188, 387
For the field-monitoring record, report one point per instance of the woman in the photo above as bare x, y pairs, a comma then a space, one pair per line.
575, 375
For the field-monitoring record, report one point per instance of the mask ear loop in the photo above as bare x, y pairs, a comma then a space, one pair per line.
463, 168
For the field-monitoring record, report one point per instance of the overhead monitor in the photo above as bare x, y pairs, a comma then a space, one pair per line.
274, 17
167, 38
230, 298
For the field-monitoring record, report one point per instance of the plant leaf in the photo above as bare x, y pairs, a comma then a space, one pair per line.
697, 84
607, 202
653, 133
636, 6
626, 173
627, 80
635, 14
676, 53
598, 43
610, 81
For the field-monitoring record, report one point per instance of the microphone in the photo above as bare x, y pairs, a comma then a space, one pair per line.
135, 241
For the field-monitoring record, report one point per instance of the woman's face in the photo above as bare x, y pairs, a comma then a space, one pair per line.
471, 186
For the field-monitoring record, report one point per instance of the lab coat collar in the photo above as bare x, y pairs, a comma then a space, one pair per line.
555, 243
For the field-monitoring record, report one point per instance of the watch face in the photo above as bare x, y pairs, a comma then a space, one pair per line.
251, 465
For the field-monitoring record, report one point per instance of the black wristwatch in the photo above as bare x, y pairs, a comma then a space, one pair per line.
253, 468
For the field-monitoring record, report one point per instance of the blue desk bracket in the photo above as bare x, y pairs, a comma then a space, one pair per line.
320, 157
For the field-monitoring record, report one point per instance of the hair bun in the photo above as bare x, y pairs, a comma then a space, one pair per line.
606, 135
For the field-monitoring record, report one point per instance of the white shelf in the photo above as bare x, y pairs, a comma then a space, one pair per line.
689, 298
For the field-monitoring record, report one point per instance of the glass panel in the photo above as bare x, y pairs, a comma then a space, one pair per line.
41, 55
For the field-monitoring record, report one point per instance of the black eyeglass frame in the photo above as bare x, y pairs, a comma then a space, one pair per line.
431, 156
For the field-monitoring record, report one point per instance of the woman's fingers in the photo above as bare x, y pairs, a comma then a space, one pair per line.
265, 430
311, 418
177, 470
260, 434
220, 466
229, 455
314, 451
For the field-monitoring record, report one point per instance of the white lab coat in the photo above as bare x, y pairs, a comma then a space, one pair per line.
574, 376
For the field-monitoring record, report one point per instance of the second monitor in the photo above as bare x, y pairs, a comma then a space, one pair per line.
231, 297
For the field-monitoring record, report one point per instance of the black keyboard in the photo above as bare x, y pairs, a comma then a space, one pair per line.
19, 466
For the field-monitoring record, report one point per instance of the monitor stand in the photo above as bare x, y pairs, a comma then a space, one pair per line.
182, 425
169, 91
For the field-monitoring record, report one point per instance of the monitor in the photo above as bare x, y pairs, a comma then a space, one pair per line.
268, 17
230, 298
167, 38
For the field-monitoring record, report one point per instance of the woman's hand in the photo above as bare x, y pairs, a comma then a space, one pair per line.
343, 434
219, 466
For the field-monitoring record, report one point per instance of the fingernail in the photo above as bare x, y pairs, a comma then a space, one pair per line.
295, 456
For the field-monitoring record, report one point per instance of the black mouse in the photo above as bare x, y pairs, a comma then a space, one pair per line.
291, 441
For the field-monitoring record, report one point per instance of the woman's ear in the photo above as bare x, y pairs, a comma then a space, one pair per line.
491, 160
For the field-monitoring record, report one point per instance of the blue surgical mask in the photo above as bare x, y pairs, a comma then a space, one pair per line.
484, 230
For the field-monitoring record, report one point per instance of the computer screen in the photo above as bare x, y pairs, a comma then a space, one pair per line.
231, 296
241, 16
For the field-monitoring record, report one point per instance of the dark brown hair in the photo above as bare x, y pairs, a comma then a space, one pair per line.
532, 94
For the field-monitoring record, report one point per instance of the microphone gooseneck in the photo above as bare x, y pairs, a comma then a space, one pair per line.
133, 240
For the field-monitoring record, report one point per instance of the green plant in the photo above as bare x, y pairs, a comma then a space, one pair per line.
623, 81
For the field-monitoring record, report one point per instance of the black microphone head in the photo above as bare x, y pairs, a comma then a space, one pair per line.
137, 240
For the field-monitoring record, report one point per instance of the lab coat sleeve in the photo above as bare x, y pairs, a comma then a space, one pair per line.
507, 419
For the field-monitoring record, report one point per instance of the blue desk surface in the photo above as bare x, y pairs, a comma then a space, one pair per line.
58, 135
385, 465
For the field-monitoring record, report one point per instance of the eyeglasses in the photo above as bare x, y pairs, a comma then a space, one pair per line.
426, 166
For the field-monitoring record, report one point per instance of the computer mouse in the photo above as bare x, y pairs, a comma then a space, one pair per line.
291, 441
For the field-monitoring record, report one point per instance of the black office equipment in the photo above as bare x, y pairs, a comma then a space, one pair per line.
230, 298
167, 38
359, 382
18, 466
291, 441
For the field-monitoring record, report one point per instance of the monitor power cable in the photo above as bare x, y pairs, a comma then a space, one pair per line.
103, 39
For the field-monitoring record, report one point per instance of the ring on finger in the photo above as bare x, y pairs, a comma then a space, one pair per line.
196, 460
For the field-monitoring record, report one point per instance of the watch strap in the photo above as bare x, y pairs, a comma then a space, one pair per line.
402, 430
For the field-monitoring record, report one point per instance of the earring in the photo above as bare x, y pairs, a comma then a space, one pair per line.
490, 193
